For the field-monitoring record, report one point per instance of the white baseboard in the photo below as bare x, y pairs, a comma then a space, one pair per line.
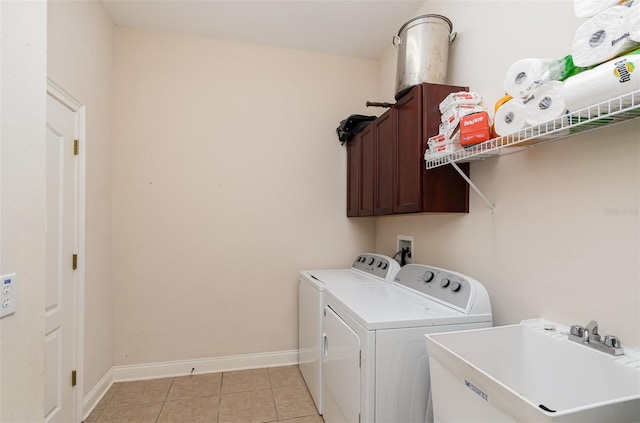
97, 392
184, 368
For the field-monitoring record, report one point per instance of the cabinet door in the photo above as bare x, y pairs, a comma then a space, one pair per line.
407, 197
443, 189
353, 176
385, 159
367, 170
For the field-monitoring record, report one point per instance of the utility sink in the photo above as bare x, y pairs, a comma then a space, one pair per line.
530, 372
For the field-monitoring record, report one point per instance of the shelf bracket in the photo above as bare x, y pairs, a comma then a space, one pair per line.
475, 188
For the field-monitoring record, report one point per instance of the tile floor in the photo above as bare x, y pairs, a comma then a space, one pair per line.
276, 394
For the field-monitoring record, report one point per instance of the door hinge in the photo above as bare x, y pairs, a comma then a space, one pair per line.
74, 262
74, 376
76, 147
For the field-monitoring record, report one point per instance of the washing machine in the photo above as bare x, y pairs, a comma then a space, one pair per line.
367, 269
374, 362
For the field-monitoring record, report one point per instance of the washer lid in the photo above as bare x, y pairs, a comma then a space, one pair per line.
391, 306
323, 279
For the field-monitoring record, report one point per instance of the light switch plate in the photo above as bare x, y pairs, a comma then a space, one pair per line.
7, 294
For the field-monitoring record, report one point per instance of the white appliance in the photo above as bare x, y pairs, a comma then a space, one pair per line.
374, 363
367, 269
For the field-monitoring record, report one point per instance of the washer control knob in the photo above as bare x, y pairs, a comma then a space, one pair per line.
385, 265
371, 260
455, 287
428, 276
379, 264
444, 283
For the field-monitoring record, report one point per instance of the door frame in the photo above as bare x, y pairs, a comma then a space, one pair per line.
70, 101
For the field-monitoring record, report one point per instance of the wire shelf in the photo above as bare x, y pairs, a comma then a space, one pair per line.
615, 110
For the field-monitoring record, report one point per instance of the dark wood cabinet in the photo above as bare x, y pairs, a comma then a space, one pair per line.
385, 159
407, 172
386, 168
367, 169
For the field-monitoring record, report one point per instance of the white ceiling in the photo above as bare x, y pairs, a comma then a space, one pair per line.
357, 28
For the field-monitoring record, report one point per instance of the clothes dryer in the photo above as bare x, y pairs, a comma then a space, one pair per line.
367, 269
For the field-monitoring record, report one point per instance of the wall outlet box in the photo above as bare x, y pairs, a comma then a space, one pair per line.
7, 294
404, 242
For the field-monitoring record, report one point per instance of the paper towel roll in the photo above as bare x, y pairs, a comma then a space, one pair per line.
602, 37
633, 21
546, 103
589, 8
524, 75
510, 117
527, 74
609, 80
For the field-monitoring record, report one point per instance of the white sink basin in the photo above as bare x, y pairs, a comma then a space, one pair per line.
512, 373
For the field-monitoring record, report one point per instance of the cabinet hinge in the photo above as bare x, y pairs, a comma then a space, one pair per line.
74, 262
76, 147
74, 375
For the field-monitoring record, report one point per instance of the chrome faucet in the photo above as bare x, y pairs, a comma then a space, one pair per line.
589, 336
591, 333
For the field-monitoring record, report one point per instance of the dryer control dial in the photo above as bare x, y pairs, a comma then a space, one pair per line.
444, 283
455, 286
377, 265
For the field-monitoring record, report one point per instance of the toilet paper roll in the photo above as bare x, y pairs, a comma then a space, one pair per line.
525, 75
602, 37
546, 103
510, 117
589, 8
609, 80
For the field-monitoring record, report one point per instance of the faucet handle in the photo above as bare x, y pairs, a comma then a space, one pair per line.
577, 330
612, 341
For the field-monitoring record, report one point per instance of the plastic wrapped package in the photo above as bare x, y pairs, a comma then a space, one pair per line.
546, 103
589, 8
525, 75
462, 97
603, 37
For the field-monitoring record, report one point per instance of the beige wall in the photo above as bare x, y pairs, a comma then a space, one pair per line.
228, 179
564, 243
80, 60
22, 199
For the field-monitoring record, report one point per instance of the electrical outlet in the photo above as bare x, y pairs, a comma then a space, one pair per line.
404, 242
7, 294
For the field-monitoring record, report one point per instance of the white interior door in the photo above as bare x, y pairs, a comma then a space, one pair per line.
62, 240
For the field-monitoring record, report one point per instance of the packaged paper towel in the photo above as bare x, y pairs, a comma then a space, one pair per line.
546, 103
633, 21
603, 37
609, 80
589, 8
525, 75
510, 117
